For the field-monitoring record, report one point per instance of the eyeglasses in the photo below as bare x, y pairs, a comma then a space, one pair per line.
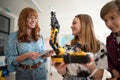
32, 18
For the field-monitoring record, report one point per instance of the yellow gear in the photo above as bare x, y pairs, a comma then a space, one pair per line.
0, 72
2, 78
62, 51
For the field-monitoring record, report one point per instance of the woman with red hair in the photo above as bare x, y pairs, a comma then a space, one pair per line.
24, 48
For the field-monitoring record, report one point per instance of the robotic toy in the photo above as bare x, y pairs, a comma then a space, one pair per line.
72, 55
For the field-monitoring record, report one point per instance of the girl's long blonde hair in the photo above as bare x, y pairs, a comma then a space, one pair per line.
87, 36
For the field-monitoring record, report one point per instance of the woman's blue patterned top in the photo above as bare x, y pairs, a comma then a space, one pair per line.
14, 49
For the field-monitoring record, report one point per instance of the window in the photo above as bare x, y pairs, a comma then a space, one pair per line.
4, 31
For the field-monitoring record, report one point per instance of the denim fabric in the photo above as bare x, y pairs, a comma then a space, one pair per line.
39, 73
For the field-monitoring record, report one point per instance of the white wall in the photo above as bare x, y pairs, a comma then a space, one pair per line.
65, 12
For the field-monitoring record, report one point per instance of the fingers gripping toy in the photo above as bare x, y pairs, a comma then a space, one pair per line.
72, 55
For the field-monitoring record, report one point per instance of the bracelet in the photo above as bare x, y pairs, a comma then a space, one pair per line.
93, 73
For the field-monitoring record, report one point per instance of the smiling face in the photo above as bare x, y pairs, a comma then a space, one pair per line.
110, 13
31, 22
112, 21
28, 21
76, 26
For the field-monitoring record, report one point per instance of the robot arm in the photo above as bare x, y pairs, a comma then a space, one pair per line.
74, 57
54, 33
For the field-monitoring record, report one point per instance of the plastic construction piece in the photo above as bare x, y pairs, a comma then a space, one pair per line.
77, 59
57, 58
71, 58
